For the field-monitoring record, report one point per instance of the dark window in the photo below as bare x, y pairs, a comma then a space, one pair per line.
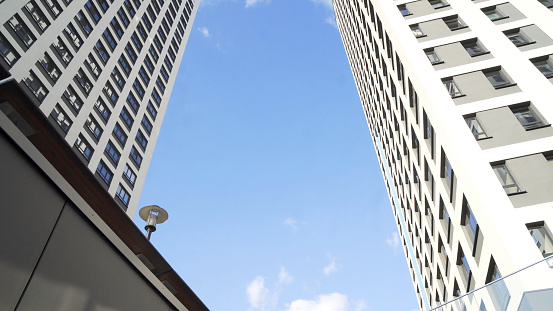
111, 93
125, 116
527, 117
36, 86
123, 195
143, 33
138, 88
93, 11
132, 102
37, 15
168, 64
93, 66
21, 30
84, 147
517, 38
164, 73
54, 7
154, 54
141, 139
136, 42
83, 81
119, 133
112, 152
61, 118
129, 175
62, 51
94, 127
160, 84
147, 124
109, 39
102, 52
156, 97
104, 172
149, 64
73, 36
151, 110
123, 17
50, 67
8, 52
130, 52
145, 78
103, 5
147, 22
161, 34
83, 22
165, 25
102, 109
124, 65
118, 78
497, 78
158, 44
130, 8
72, 98
473, 47
117, 28
135, 155
544, 66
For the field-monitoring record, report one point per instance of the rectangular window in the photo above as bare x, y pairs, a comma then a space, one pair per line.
453, 23
497, 78
72, 98
83, 81
123, 17
84, 147
102, 109
171, 53
156, 97
452, 88
93, 11
160, 85
138, 88
93, 127
112, 152
493, 14
129, 175
8, 52
475, 127
110, 93
124, 65
433, 57
517, 37
135, 156
473, 47
142, 32
36, 86
130, 8
136, 3
469, 221
132, 102
154, 54
447, 173
146, 124
542, 238
547, 3
544, 66
149, 64
506, 179
164, 73
147, 22
437, 4
417, 31
54, 7
102, 52
109, 39
131, 53
158, 44
136, 41
104, 172
62, 51
83, 22
161, 34
123, 195
73, 36
37, 15
103, 5
462, 261
145, 78
117, 78
116, 28
61, 118
120, 134
141, 139
168, 64
165, 25
151, 110
93, 66
50, 67
527, 117
126, 117
21, 30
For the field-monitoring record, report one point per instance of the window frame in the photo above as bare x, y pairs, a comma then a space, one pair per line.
507, 181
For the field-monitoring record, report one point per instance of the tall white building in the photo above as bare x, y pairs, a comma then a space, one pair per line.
102, 71
457, 95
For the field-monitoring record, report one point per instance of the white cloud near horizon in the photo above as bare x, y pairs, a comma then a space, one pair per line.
331, 266
284, 277
250, 3
330, 302
204, 31
393, 241
259, 296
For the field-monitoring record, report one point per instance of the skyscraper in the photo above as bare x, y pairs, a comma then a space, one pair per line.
102, 71
457, 96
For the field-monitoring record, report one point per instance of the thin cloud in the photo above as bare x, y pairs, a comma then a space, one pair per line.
284, 277
292, 223
204, 31
330, 302
331, 21
259, 296
325, 3
393, 241
331, 266
250, 3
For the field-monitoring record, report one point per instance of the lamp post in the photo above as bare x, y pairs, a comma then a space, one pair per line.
153, 215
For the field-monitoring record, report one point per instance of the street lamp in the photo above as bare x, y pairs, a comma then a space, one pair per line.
153, 215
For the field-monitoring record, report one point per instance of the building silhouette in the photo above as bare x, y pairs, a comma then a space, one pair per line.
102, 71
457, 95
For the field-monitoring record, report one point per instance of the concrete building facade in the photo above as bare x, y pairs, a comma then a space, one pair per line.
457, 95
102, 71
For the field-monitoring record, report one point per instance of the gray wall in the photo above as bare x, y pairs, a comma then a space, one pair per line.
454, 54
534, 175
475, 86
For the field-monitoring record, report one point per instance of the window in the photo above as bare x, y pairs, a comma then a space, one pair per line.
544, 66
138, 88
469, 221
171, 53
507, 181
71, 97
154, 54
130, 8
527, 117
37, 15
452, 88
123, 195
83, 81
147, 22
473, 48
109, 39
165, 25
112, 152
417, 31
142, 32
61, 118
93, 66
135, 156
36, 86
161, 34
462, 261
130, 52
117, 28
110, 93
168, 64
102, 52
83, 22
141, 139
156, 97
123, 17
94, 127
136, 3
54, 7
447, 173
125, 116
146, 124
103, 5
493, 14
50, 67
497, 78
475, 127
151, 110
102, 109
136, 42
517, 38
124, 65
149, 64
132, 102
72, 35
93, 11
542, 238
129, 175
433, 57
120, 134
118, 78
7, 51
21, 30
84, 147
160, 84
104, 172
454, 23
158, 44
145, 78
436, 4
62, 51
547, 3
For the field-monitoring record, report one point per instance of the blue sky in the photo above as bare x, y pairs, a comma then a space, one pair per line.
266, 167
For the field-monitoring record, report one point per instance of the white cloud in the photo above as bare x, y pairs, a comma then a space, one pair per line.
393, 241
360, 306
330, 302
204, 31
284, 277
326, 3
250, 3
331, 21
291, 222
331, 266
259, 296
